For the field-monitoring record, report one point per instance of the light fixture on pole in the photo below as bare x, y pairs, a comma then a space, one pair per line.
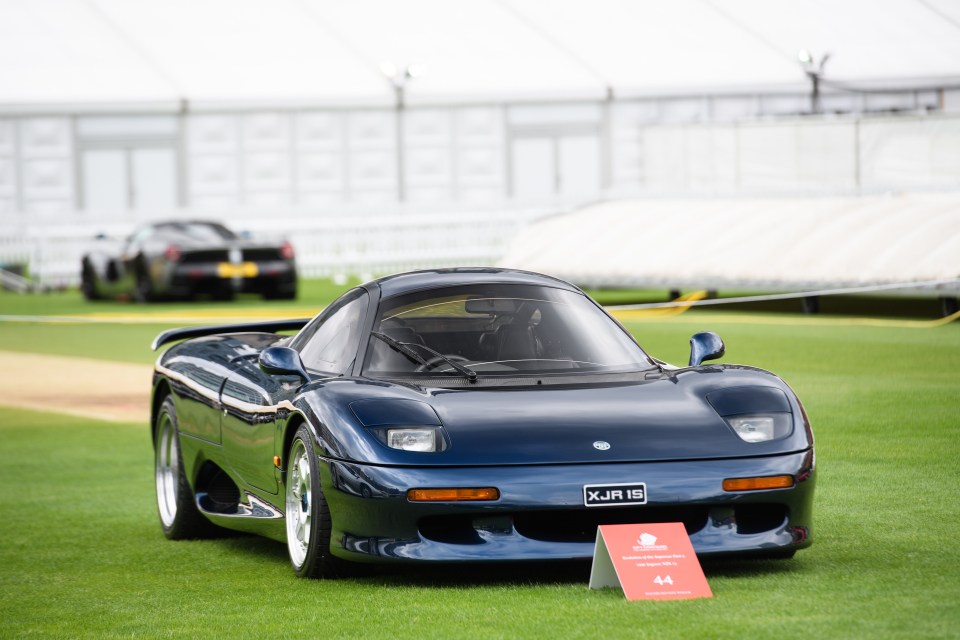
398, 77
814, 70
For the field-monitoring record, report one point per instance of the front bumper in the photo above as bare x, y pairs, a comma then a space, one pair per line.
540, 514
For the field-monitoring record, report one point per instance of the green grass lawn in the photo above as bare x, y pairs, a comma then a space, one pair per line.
128, 338
312, 293
83, 554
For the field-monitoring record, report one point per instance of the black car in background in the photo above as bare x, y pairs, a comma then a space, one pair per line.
181, 259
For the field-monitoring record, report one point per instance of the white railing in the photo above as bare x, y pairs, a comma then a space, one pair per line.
13, 282
351, 243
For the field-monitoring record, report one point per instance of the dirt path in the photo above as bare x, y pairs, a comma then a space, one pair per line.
78, 386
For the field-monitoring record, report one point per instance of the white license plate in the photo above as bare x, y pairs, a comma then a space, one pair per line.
605, 495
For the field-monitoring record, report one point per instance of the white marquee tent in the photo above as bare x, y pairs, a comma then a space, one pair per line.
206, 53
337, 122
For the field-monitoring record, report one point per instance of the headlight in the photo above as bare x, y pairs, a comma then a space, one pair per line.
412, 439
760, 428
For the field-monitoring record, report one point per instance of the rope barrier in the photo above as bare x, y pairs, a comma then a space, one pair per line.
649, 310
680, 302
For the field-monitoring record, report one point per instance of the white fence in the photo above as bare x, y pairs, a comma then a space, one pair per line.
350, 243
636, 153
812, 156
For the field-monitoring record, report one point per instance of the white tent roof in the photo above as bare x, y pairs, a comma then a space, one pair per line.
789, 245
325, 52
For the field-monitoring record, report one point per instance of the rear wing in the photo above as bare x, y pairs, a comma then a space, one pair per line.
271, 326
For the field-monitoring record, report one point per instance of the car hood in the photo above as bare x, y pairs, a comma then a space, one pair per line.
633, 422
664, 418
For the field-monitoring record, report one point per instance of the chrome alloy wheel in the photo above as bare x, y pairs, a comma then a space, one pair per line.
299, 505
167, 470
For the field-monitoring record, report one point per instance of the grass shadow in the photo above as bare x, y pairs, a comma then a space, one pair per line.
253, 545
539, 573
745, 567
444, 575
477, 574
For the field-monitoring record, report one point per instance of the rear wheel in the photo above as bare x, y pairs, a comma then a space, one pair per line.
179, 516
307, 514
88, 283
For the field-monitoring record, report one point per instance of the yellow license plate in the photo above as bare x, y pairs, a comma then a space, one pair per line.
242, 270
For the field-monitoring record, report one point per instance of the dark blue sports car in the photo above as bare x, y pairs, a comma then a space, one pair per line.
470, 415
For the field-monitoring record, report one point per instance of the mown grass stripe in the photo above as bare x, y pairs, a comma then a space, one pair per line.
83, 555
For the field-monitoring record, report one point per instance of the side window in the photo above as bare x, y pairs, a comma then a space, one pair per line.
134, 242
333, 345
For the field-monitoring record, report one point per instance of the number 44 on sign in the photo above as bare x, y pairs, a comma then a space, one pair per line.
648, 562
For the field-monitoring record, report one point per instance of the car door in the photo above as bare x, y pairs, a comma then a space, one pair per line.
248, 421
249, 398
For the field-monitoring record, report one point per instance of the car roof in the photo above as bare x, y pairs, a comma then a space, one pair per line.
175, 224
401, 283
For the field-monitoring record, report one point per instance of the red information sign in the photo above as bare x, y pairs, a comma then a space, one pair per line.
648, 561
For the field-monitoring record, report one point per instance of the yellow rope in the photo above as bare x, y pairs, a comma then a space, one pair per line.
625, 315
640, 314
821, 321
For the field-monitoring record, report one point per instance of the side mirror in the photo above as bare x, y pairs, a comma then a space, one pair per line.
705, 345
282, 361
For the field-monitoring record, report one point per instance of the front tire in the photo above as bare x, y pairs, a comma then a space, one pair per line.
178, 513
143, 290
308, 517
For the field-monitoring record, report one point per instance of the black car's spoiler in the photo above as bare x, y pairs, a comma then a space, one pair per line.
271, 326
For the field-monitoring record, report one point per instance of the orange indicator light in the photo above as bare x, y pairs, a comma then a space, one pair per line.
276, 462
452, 495
755, 484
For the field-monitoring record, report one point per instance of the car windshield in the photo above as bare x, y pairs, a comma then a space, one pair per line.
497, 330
199, 230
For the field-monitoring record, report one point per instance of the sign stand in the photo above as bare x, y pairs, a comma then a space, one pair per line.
648, 562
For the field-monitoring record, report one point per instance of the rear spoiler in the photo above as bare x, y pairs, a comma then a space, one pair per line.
271, 326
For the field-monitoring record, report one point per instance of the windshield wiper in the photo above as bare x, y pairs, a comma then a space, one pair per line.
400, 346
405, 349
467, 371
